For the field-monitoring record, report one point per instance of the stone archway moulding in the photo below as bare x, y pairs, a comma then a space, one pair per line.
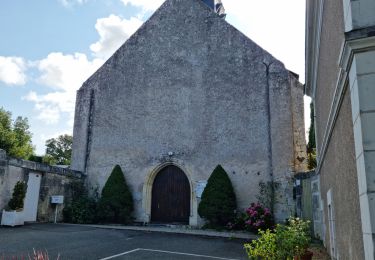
147, 189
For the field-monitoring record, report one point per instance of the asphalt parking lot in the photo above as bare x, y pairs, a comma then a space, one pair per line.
82, 242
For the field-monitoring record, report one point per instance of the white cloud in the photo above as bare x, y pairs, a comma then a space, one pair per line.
113, 32
65, 74
51, 105
12, 70
146, 5
69, 3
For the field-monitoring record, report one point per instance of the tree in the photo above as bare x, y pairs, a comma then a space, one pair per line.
311, 146
23, 147
15, 137
116, 203
59, 150
218, 203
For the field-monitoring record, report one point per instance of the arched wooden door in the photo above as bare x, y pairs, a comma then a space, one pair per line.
170, 196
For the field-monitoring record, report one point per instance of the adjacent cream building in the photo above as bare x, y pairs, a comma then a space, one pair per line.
340, 78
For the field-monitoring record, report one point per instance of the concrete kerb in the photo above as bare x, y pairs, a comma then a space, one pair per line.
176, 230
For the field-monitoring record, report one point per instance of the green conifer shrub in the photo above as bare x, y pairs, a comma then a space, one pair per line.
19, 193
116, 202
218, 203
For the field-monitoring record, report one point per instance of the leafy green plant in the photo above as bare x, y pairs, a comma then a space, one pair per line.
285, 242
116, 202
81, 211
18, 197
298, 235
264, 247
82, 208
218, 203
311, 159
35, 158
238, 223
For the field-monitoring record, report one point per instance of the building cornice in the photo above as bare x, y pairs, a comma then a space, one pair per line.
314, 18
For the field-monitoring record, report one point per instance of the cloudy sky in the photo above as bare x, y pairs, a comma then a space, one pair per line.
48, 48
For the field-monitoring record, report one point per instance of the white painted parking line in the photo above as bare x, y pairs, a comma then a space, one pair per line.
167, 252
125, 253
187, 254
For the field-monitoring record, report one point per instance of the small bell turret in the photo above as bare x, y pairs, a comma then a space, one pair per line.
216, 6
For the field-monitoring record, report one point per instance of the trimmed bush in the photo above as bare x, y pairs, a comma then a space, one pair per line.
116, 202
218, 204
19, 193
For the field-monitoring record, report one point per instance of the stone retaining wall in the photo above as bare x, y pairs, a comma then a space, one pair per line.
55, 181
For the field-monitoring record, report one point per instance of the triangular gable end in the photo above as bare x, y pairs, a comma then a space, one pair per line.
180, 11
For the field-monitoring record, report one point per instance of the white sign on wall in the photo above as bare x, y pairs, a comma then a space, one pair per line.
57, 199
199, 188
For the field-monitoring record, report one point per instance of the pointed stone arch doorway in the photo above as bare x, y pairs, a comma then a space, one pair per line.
178, 178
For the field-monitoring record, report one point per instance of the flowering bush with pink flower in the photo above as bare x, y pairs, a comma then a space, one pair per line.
255, 218
258, 217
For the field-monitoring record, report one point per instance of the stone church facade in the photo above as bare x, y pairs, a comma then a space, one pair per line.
185, 93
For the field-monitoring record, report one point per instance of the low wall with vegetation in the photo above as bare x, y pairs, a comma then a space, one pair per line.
54, 181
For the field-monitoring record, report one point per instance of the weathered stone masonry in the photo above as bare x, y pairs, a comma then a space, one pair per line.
188, 89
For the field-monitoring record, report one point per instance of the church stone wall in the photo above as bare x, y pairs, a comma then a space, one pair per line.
187, 89
299, 130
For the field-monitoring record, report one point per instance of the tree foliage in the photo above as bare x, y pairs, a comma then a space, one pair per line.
311, 146
218, 203
15, 137
59, 150
286, 242
116, 201
311, 160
